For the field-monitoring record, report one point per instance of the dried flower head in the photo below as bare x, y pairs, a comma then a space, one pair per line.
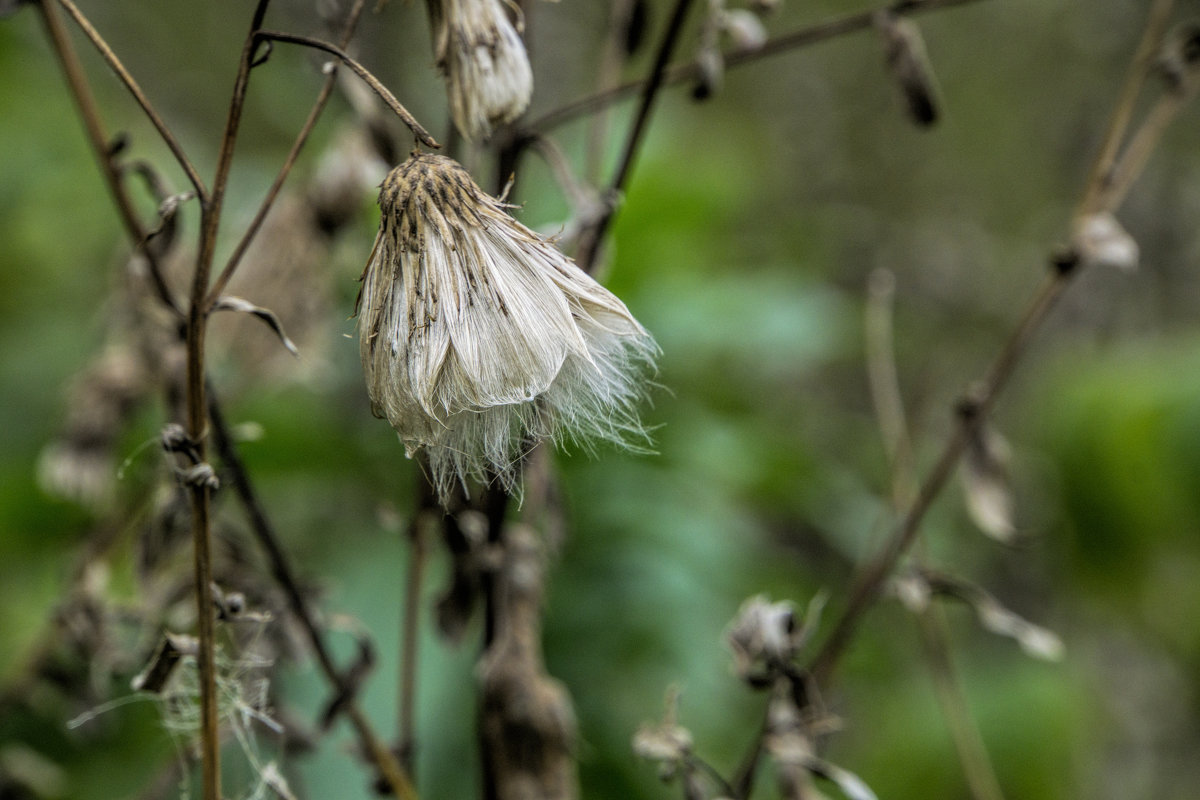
479, 338
480, 52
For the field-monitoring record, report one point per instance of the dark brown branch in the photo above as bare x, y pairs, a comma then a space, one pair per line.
123, 75
680, 73
268, 201
197, 418
282, 571
99, 141
592, 237
362, 72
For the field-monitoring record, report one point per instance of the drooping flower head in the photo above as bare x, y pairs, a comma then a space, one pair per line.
479, 338
481, 55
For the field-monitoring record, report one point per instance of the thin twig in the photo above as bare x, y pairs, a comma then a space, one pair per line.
1132, 162
89, 112
123, 75
362, 72
869, 584
301, 139
282, 571
680, 73
893, 426
197, 419
1101, 172
592, 237
973, 410
972, 754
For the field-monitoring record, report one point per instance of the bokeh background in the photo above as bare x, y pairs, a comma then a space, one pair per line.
745, 243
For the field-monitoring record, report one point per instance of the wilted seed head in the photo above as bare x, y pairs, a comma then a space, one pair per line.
479, 338
487, 71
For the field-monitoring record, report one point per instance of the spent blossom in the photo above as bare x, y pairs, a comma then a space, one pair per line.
479, 338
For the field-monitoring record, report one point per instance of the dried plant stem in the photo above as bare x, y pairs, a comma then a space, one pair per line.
268, 200
197, 416
123, 75
90, 114
282, 571
976, 407
972, 754
893, 426
679, 73
869, 584
592, 237
1101, 174
358, 69
1133, 160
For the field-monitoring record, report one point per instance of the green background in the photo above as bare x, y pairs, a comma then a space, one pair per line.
744, 244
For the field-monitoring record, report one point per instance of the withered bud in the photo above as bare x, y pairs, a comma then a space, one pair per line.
909, 64
765, 638
1099, 241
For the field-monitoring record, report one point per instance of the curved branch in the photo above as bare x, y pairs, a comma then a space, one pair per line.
362, 72
268, 201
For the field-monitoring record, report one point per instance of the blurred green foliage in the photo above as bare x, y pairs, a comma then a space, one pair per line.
744, 244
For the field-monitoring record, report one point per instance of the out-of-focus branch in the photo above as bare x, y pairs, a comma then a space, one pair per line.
358, 69
681, 73
893, 426
974, 408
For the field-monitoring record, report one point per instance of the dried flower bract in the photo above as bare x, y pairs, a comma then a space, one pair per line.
479, 50
479, 338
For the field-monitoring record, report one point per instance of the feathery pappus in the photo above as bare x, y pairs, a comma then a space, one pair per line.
479, 51
479, 338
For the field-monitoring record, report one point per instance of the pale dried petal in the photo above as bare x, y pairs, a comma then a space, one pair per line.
479, 338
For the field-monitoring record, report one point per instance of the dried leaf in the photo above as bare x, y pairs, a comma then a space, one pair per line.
985, 481
231, 303
1035, 640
